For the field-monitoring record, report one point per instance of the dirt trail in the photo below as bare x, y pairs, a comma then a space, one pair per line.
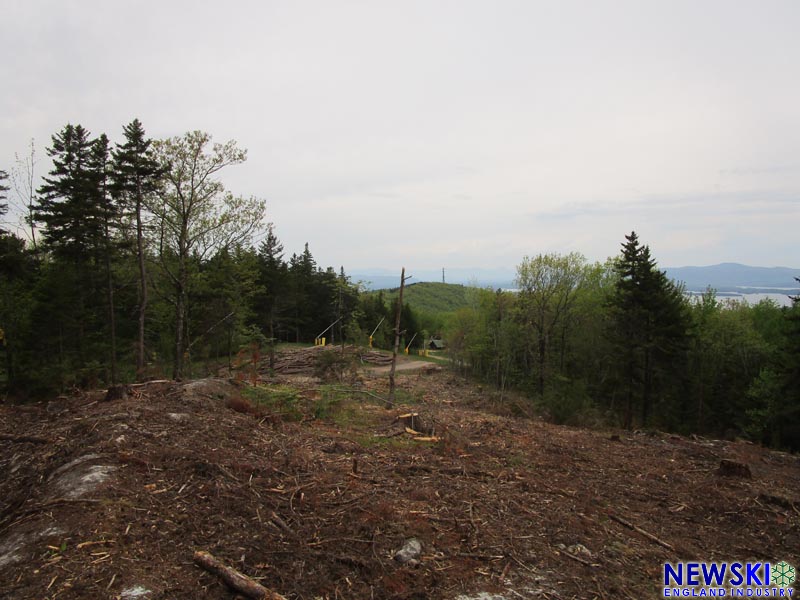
111, 499
406, 364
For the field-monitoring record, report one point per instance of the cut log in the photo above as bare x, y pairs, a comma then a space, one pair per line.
233, 579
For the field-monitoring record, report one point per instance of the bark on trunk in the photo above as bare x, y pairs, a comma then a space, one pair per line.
390, 403
142, 291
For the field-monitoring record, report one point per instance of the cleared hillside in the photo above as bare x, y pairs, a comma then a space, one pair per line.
432, 297
313, 491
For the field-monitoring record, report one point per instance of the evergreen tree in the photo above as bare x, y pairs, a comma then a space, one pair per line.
786, 420
272, 281
68, 202
100, 168
70, 206
649, 329
135, 179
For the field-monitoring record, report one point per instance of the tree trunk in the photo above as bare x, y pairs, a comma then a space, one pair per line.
542, 361
646, 389
390, 403
142, 291
180, 315
112, 321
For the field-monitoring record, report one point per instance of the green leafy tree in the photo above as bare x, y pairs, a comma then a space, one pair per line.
195, 215
548, 287
727, 353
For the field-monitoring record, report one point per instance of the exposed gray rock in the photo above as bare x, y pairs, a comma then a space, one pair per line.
409, 552
77, 477
179, 417
13, 548
136, 591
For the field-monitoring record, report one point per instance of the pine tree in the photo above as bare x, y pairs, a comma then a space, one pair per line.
649, 328
272, 279
67, 202
136, 177
100, 168
787, 422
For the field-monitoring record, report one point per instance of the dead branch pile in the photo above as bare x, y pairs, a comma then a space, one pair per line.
303, 361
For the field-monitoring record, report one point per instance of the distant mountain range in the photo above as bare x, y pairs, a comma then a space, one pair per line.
733, 277
725, 277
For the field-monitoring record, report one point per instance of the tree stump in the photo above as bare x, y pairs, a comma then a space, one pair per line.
732, 468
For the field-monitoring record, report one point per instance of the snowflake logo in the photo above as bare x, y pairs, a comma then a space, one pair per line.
783, 574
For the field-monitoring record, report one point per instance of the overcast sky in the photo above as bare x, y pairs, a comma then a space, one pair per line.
448, 134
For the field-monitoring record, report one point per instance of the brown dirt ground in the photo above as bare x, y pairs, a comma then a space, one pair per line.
317, 507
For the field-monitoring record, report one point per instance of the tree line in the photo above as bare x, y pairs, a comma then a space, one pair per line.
145, 265
620, 343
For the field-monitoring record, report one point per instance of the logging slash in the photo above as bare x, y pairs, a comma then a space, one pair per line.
234, 579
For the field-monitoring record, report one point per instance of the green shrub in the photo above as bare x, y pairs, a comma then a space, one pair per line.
276, 399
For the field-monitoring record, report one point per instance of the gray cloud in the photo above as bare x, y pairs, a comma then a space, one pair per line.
474, 131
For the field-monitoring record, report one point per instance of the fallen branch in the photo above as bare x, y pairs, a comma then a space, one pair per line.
233, 579
280, 523
638, 529
578, 558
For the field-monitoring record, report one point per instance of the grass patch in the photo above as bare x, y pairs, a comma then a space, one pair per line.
344, 408
403, 396
374, 441
276, 399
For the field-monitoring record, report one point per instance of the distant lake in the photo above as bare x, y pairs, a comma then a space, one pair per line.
751, 299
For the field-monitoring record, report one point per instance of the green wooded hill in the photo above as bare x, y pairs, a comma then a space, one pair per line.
431, 297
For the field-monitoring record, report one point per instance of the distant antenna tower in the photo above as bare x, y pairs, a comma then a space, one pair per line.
442, 274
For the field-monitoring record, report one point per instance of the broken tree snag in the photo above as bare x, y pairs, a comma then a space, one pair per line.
233, 579
409, 419
117, 392
414, 425
732, 468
